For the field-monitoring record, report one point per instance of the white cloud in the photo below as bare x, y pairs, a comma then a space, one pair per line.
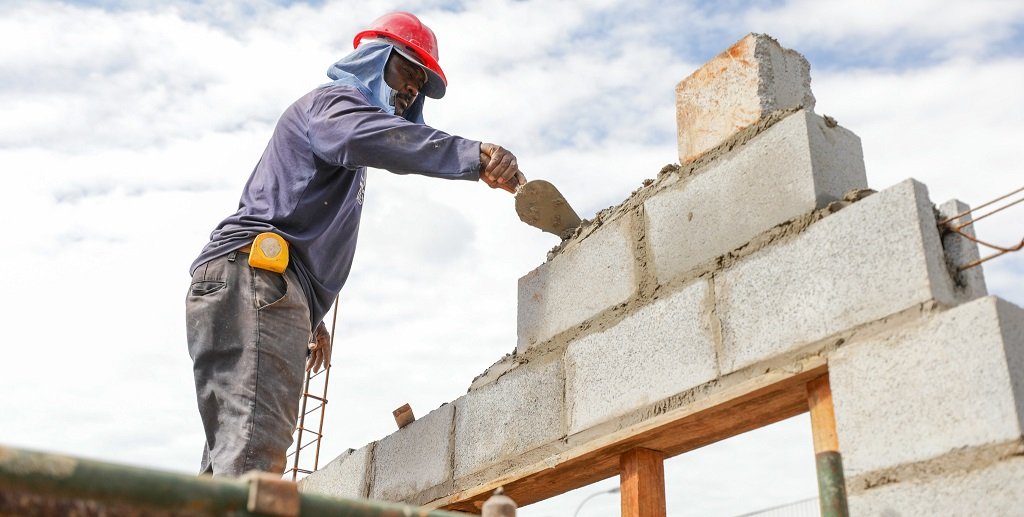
127, 133
941, 29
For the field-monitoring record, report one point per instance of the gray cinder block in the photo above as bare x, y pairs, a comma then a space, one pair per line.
968, 284
919, 392
580, 282
519, 412
660, 350
414, 458
994, 490
735, 89
797, 165
874, 258
344, 476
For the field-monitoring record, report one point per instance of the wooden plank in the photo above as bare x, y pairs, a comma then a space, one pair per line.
643, 483
823, 415
755, 403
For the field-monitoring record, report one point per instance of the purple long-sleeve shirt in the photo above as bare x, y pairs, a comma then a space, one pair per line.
308, 186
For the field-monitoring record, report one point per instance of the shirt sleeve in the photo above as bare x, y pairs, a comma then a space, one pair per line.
346, 130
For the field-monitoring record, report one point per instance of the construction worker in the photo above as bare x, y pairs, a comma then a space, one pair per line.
263, 284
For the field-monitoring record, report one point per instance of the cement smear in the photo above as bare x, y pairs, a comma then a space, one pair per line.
667, 176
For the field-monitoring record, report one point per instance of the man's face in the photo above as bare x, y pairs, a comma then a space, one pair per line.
406, 78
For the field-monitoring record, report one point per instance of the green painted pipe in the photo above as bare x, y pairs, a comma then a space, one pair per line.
831, 484
29, 478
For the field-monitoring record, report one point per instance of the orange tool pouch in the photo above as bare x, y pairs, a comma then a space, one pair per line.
269, 251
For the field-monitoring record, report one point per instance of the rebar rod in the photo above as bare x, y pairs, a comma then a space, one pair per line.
302, 425
996, 211
327, 378
979, 207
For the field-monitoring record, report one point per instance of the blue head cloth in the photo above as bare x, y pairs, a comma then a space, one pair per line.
364, 70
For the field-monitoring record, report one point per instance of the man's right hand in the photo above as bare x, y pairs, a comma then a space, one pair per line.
498, 168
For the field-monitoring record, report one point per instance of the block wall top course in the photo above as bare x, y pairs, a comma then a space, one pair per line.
737, 88
791, 168
923, 391
520, 411
345, 476
585, 279
540, 317
414, 458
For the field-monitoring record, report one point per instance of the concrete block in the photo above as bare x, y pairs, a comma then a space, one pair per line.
968, 284
345, 476
874, 258
795, 166
515, 414
920, 392
738, 87
577, 284
414, 458
658, 351
993, 490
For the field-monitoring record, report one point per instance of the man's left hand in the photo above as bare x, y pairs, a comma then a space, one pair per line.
319, 349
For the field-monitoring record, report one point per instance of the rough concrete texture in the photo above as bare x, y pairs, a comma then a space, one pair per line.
344, 476
736, 88
923, 391
1011, 322
414, 458
664, 348
994, 490
968, 284
585, 279
519, 412
795, 166
874, 258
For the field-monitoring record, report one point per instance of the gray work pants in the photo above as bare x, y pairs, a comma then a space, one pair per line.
248, 335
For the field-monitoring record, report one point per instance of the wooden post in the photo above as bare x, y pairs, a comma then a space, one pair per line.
642, 474
831, 482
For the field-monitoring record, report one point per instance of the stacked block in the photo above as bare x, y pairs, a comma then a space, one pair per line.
914, 402
736, 89
795, 166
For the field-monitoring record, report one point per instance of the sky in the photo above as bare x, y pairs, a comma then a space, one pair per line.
127, 129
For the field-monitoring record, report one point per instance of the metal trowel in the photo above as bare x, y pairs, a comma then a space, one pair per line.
541, 205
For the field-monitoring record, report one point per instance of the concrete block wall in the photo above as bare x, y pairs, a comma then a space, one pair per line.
919, 406
763, 249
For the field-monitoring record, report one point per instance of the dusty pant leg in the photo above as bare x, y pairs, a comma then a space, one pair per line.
248, 331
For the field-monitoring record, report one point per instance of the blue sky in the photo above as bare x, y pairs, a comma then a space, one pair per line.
128, 128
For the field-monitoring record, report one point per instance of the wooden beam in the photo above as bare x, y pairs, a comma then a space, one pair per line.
755, 403
643, 483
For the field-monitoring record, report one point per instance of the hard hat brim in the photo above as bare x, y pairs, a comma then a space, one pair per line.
435, 87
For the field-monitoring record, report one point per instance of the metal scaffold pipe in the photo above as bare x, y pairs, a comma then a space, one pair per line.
29, 479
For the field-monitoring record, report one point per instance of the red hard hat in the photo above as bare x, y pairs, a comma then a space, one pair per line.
409, 32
